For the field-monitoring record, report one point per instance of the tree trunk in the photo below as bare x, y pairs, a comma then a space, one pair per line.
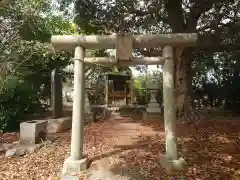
183, 55
183, 80
184, 89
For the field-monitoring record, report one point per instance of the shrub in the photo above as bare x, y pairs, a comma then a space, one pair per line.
17, 99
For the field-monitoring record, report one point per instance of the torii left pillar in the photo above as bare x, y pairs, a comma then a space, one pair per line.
77, 162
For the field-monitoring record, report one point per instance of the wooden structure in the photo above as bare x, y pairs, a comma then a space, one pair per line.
124, 44
118, 88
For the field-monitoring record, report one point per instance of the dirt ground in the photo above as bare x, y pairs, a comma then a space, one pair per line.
130, 148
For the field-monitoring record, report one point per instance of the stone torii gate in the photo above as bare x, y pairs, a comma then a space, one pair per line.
124, 45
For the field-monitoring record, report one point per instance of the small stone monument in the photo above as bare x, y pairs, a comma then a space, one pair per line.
153, 110
56, 94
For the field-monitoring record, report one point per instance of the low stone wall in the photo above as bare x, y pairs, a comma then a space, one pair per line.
65, 123
59, 125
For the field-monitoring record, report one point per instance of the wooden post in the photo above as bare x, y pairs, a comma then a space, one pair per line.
56, 94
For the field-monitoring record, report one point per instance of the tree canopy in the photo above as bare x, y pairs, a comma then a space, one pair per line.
216, 22
26, 53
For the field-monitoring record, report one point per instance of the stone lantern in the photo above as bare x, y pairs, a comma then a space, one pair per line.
153, 106
153, 110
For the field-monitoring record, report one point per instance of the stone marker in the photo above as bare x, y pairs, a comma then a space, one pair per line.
56, 94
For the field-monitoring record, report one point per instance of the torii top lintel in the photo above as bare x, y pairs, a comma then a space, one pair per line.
109, 41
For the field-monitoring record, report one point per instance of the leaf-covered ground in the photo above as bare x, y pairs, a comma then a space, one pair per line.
131, 148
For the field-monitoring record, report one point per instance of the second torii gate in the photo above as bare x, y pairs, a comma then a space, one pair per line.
124, 45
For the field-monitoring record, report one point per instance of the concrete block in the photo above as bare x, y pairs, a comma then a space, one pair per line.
32, 132
59, 125
74, 166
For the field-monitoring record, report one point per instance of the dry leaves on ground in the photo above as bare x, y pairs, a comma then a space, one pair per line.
132, 148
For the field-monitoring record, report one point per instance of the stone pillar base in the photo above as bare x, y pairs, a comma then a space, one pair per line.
173, 167
74, 166
151, 115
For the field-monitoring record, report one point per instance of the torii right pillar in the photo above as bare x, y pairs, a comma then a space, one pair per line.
170, 161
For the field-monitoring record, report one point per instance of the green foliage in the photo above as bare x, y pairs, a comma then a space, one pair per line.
32, 64
59, 26
27, 58
217, 25
34, 61
217, 81
17, 99
141, 92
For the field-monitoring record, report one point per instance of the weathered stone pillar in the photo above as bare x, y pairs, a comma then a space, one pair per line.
169, 103
76, 162
56, 94
170, 161
78, 105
